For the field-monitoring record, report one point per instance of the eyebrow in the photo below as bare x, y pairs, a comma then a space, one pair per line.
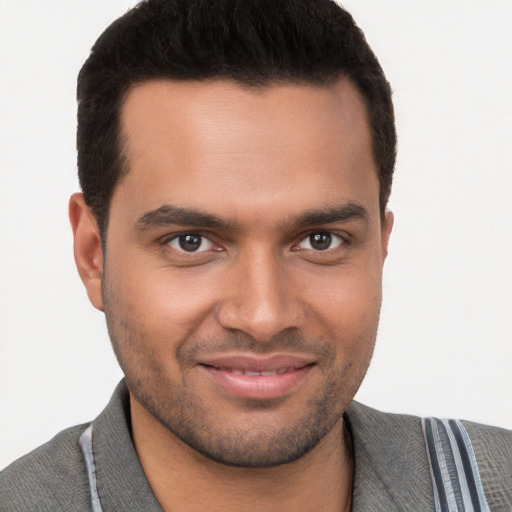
347, 212
169, 214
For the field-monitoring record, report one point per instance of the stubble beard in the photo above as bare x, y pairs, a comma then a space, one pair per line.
184, 413
254, 446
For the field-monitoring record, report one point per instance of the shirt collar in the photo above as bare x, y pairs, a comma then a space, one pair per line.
391, 468
122, 484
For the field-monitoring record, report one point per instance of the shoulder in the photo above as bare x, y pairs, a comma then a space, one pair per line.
387, 432
493, 452
45, 478
488, 441
374, 426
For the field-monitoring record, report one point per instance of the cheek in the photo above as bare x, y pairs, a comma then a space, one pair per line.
165, 304
350, 297
349, 309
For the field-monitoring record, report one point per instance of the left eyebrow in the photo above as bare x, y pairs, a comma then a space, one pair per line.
347, 212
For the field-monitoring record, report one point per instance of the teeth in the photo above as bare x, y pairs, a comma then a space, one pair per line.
255, 373
251, 373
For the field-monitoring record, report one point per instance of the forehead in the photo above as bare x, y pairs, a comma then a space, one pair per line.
217, 144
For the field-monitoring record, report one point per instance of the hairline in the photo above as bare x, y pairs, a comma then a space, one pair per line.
121, 142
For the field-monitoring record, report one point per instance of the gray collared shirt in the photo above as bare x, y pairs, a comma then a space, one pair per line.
391, 467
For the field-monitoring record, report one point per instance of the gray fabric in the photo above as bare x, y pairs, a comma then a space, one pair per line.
493, 451
391, 467
54, 478
122, 484
51, 478
453, 467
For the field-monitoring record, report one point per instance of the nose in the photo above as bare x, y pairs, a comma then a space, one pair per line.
260, 298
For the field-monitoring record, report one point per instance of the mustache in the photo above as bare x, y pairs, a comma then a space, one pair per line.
243, 342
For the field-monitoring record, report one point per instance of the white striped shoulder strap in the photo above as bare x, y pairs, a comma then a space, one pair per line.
453, 467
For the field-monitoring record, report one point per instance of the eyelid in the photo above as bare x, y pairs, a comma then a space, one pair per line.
343, 237
166, 242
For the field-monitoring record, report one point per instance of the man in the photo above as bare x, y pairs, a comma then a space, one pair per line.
236, 159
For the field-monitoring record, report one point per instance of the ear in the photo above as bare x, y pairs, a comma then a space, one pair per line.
387, 227
87, 248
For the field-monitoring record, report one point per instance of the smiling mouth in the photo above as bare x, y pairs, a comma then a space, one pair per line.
256, 373
259, 380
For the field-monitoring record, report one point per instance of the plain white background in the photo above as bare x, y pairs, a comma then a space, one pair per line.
444, 346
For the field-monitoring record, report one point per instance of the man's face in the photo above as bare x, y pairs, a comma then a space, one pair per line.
242, 281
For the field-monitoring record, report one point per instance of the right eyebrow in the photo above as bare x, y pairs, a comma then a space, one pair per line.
173, 215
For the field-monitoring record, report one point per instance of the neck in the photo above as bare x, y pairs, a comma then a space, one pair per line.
184, 480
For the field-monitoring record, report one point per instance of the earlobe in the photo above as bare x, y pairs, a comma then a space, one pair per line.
387, 227
87, 248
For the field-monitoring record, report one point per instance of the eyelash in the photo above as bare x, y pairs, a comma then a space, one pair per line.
203, 236
343, 240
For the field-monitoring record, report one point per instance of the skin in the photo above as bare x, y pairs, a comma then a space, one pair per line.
252, 174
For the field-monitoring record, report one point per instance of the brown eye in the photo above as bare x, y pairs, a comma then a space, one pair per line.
190, 242
321, 241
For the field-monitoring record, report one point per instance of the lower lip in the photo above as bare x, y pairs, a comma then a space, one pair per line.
258, 387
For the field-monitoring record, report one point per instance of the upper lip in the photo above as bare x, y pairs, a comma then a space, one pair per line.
257, 363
